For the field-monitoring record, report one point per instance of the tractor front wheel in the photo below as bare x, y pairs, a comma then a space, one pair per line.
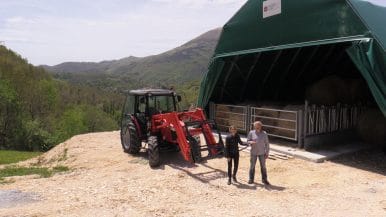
195, 149
153, 151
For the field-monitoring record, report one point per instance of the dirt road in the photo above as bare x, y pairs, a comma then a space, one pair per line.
104, 181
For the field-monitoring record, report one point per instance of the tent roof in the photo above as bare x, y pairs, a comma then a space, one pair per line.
373, 16
300, 24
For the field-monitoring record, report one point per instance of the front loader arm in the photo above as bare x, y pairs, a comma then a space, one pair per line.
171, 120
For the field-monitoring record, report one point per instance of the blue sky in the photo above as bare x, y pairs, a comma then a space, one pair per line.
54, 31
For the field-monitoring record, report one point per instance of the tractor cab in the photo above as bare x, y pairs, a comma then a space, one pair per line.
142, 104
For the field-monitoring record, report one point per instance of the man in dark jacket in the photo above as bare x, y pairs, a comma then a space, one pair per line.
232, 142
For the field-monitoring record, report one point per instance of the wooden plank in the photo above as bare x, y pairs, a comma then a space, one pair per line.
280, 157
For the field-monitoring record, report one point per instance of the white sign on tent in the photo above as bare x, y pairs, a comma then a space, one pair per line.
271, 7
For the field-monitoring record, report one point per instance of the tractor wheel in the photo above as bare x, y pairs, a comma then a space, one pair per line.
129, 139
153, 151
195, 150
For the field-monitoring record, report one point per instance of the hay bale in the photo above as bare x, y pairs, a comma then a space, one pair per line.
328, 91
372, 127
334, 89
358, 91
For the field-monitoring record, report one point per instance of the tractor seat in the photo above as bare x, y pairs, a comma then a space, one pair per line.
152, 111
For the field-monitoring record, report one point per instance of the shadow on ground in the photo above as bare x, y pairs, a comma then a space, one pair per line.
204, 177
176, 161
372, 160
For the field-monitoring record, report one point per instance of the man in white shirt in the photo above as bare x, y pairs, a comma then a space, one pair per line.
258, 140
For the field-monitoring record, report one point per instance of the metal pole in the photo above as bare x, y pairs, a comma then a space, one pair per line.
248, 119
300, 130
305, 120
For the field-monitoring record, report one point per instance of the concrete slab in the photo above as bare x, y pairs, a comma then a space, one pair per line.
314, 156
322, 154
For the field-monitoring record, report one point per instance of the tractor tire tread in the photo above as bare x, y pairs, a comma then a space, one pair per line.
134, 142
153, 151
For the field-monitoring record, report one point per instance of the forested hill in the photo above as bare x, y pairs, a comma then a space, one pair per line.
183, 65
37, 111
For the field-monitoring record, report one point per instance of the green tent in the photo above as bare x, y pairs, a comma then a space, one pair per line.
272, 49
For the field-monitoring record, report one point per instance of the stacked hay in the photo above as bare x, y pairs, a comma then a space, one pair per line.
358, 91
334, 89
372, 127
263, 116
328, 91
227, 116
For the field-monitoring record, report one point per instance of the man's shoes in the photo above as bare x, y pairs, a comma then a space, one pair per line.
229, 181
234, 179
250, 182
266, 182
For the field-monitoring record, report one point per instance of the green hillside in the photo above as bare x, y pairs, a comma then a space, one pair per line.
181, 68
37, 111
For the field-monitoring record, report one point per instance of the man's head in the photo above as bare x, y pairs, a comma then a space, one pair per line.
258, 125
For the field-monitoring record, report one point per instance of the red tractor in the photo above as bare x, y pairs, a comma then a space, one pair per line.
151, 116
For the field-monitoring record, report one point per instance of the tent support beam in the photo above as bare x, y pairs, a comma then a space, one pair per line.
284, 76
339, 57
227, 75
346, 66
278, 54
223, 90
305, 66
324, 60
249, 73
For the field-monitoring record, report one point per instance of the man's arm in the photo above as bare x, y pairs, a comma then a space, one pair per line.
249, 139
266, 145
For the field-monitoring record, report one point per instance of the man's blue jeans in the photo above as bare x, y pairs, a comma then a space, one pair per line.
263, 168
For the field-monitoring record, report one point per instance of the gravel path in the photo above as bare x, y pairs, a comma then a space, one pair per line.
104, 181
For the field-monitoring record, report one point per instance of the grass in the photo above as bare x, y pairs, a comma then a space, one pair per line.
7, 157
43, 172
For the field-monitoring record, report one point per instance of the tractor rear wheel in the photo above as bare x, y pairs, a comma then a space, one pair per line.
153, 151
195, 149
130, 141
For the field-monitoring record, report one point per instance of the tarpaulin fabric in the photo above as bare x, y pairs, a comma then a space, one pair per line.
370, 59
298, 24
374, 17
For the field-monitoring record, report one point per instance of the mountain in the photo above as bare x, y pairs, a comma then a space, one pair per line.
175, 67
85, 67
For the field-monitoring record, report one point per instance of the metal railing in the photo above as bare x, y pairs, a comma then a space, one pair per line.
278, 123
293, 125
327, 119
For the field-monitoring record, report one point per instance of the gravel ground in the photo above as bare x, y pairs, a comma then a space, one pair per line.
104, 181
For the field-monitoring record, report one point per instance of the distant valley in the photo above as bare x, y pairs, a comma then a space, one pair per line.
179, 67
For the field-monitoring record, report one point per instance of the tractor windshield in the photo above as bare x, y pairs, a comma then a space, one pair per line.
162, 104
